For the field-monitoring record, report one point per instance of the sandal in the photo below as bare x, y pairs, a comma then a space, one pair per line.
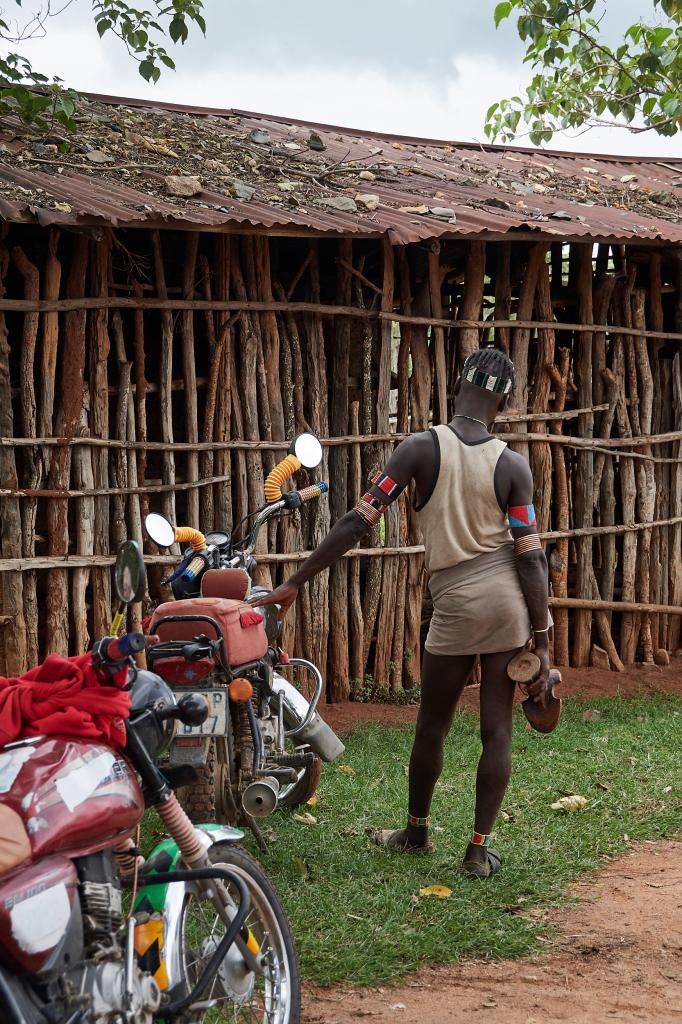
395, 839
476, 869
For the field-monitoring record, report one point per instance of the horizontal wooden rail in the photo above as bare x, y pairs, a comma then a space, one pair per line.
217, 446
322, 309
97, 561
614, 606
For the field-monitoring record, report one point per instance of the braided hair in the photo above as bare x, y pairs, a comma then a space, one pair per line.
492, 362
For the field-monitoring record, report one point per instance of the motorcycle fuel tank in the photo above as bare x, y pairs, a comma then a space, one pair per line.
73, 796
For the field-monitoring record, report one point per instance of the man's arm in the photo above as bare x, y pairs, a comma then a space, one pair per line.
531, 565
350, 529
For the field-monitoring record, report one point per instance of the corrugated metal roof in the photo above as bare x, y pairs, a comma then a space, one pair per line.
489, 189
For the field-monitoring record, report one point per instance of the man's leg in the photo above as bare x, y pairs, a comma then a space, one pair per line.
442, 681
494, 767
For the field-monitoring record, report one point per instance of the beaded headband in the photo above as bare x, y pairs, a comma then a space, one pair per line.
481, 379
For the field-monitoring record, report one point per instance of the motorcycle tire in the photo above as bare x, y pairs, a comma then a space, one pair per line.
206, 800
277, 999
198, 800
303, 790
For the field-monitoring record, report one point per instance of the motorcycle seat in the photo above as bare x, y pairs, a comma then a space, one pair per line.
233, 584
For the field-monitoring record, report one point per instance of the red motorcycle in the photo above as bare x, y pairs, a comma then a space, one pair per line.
205, 938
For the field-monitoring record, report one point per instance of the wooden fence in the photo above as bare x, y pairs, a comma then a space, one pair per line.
146, 370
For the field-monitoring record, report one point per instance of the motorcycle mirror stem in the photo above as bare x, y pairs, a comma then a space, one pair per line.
307, 449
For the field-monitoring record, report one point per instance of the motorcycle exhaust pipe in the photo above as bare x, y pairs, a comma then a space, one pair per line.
318, 735
259, 799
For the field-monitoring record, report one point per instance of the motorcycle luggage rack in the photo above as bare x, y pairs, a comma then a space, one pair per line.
178, 1006
163, 649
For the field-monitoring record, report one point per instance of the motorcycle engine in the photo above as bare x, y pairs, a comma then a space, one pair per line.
103, 985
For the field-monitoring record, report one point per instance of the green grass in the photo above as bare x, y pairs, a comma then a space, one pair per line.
355, 909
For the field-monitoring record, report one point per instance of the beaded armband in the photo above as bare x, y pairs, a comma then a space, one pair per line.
480, 839
521, 515
371, 508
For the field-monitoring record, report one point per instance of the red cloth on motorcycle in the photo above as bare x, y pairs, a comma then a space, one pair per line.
65, 697
241, 626
228, 583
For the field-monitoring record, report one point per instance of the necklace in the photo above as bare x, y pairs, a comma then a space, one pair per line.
463, 416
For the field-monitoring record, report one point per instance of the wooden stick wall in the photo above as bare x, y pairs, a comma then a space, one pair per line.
144, 370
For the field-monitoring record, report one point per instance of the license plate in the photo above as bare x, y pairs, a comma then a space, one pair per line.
216, 723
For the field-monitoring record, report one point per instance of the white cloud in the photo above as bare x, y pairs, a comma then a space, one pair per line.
371, 94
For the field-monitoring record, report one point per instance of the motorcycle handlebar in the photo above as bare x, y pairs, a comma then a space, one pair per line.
120, 648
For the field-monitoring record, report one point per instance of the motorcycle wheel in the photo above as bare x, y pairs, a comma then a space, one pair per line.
299, 792
198, 800
206, 799
271, 998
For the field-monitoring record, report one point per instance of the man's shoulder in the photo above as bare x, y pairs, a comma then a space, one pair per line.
515, 464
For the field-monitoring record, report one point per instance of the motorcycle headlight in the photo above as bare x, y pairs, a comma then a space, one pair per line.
150, 690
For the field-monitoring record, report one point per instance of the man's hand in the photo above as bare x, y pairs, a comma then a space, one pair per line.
542, 687
284, 595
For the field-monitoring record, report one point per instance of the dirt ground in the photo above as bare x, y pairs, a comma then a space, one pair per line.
618, 958
583, 684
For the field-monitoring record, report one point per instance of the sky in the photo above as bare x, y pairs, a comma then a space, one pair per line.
414, 67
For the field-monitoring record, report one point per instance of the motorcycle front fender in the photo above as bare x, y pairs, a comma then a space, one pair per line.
158, 909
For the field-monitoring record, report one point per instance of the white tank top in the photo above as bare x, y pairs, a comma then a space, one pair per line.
462, 518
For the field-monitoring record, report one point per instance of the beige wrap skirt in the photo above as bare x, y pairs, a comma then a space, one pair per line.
478, 606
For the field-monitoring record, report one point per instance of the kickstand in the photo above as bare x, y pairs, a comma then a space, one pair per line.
250, 822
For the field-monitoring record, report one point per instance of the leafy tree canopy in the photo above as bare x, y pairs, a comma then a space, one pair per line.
44, 101
580, 81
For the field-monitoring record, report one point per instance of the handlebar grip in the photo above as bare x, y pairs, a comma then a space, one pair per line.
188, 535
125, 646
314, 491
282, 471
194, 568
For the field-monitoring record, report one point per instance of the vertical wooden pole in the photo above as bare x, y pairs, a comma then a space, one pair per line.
585, 480
541, 456
521, 337
387, 604
318, 588
675, 565
355, 491
472, 299
558, 562
189, 373
12, 587
32, 461
165, 380
57, 589
503, 293
646, 497
440, 404
99, 427
339, 686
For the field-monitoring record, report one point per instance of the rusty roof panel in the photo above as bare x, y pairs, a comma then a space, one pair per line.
275, 180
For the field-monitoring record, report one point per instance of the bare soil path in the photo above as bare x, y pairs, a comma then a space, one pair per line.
617, 957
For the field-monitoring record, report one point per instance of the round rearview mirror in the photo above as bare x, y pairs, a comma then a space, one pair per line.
160, 530
308, 450
129, 573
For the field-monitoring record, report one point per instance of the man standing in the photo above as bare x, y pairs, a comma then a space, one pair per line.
489, 589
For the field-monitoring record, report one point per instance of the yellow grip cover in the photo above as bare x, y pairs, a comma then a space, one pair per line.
282, 471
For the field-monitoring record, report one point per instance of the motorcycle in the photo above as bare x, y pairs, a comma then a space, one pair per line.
205, 938
262, 746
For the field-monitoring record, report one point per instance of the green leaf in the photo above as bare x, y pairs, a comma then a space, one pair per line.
502, 11
146, 69
177, 29
103, 25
